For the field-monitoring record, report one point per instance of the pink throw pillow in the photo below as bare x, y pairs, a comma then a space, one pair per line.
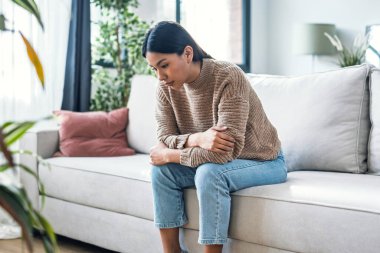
89, 134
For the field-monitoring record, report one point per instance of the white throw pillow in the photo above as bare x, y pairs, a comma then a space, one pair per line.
142, 127
322, 118
374, 136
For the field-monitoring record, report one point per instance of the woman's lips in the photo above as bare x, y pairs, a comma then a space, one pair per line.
169, 84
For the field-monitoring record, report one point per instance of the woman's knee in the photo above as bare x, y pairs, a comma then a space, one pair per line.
206, 174
158, 173
285, 175
282, 172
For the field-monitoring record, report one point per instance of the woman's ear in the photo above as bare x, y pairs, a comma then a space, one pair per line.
188, 53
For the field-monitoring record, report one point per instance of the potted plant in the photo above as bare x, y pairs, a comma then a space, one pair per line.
116, 53
350, 56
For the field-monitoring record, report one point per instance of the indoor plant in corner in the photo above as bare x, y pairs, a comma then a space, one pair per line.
350, 56
116, 53
13, 197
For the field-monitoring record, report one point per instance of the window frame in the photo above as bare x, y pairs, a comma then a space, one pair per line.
246, 47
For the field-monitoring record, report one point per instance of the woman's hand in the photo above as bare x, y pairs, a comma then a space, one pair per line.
214, 139
158, 154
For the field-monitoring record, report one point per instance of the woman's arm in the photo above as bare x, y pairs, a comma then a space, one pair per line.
236, 121
214, 145
214, 139
209, 140
161, 154
233, 112
167, 130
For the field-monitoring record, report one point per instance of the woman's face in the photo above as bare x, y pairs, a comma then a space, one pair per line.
172, 70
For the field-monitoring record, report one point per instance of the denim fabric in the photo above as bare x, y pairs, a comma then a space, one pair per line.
214, 183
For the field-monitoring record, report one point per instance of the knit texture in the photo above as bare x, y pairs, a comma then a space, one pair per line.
221, 95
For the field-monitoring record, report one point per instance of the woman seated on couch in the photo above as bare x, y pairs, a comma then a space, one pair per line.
213, 134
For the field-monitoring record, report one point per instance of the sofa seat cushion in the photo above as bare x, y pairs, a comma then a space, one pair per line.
342, 209
271, 215
119, 184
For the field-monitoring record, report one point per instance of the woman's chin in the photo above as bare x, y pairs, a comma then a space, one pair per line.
176, 87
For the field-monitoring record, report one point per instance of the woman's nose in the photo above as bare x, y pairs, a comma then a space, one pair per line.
161, 76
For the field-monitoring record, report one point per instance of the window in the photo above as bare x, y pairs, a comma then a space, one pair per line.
220, 27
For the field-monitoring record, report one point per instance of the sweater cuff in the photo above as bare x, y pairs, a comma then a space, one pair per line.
181, 141
185, 157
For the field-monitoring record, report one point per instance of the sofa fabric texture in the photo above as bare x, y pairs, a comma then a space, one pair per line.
328, 202
141, 130
106, 173
322, 118
374, 136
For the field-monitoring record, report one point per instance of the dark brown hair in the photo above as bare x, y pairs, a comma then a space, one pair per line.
170, 37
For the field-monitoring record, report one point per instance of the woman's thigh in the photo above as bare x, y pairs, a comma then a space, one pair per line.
239, 174
173, 173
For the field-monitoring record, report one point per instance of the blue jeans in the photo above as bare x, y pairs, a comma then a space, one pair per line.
214, 183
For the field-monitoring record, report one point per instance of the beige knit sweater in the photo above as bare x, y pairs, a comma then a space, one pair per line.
221, 95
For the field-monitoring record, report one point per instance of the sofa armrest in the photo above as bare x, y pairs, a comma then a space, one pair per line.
43, 140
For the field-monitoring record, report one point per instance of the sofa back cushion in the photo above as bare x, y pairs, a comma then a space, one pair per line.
374, 137
142, 127
322, 118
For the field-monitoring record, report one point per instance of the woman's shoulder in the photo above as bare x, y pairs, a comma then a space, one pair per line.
229, 78
225, 69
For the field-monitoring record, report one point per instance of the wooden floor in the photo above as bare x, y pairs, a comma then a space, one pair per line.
66, 245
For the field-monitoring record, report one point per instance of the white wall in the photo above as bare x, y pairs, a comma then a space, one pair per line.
259, 36
350, 17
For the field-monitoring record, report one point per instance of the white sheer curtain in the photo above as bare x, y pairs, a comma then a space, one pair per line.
21, 95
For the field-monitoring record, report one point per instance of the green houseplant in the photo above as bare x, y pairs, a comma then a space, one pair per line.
116, 48
13, 197
349, 56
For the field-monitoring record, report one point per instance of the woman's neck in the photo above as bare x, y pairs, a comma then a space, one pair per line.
195, 71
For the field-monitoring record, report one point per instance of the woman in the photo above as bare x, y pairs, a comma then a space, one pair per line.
213, 134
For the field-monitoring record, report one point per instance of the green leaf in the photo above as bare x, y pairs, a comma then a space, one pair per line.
41, 161
47, 245
18, 130
6, 124
4, 149
2, 22
31, 7
41, 223
49, 239
41, 187
4, 167
12, 201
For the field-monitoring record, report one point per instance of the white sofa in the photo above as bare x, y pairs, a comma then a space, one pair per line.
329, 125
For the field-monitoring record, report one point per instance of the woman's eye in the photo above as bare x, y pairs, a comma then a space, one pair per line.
164, 66
153, 69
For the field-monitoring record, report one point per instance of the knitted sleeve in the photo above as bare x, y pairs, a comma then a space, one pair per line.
167, 130
233, 112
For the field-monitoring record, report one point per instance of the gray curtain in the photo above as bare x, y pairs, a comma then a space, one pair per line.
77, 86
